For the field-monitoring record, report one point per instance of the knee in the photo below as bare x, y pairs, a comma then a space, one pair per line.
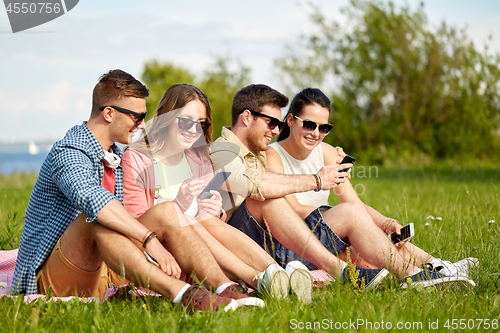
166, 213
355, 212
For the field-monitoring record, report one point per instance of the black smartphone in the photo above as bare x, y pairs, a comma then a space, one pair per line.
407, 231
347, 159
216, 182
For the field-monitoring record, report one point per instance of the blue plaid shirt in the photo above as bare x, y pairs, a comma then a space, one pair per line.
69, 183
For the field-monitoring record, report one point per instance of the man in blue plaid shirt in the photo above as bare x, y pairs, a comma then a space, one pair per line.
77, 234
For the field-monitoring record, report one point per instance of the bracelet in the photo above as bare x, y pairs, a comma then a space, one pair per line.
149, 238
388, 227
145, 236
383, 226
317, 178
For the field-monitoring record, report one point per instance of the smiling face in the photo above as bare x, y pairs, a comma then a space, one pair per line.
302, 137
123, 126
260, 135
185, 138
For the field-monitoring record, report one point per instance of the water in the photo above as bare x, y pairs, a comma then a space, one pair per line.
12, 162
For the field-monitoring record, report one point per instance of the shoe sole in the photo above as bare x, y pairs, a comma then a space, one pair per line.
248, 301
279, 285
377, 279
301, 284
453, 283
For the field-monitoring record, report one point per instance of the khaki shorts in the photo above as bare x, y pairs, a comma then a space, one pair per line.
66, 279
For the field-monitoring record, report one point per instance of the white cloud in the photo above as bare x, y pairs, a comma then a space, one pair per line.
10, 103
59, 98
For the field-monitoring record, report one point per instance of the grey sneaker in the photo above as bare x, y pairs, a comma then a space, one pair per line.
372, 277
429, 278
301, 281
274, 281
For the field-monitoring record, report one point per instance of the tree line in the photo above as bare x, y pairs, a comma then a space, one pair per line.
400, 90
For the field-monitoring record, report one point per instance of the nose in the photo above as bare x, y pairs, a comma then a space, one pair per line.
142, 125
275, 131
315, 133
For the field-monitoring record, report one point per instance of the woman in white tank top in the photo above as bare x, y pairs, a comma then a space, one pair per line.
300, 150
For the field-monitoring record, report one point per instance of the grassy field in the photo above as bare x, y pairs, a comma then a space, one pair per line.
465, 198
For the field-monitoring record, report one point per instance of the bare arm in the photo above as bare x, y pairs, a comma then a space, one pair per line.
275, 164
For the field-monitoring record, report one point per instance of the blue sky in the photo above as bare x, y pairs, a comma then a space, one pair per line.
47, 73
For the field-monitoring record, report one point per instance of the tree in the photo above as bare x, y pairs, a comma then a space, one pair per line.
219, 82
399, 88
158, 77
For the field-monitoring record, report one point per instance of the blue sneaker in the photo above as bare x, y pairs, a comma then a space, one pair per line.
429, 278
372, 277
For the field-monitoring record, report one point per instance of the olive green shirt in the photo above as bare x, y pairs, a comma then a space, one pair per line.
228, 153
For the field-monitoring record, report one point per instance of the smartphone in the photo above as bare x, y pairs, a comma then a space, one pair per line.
214, 185
151, 259
406, 232
347, 159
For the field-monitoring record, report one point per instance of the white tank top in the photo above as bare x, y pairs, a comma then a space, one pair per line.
312, 164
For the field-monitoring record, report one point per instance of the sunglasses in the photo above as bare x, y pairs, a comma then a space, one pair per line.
310, 126
273, 121
185, 124
139, 117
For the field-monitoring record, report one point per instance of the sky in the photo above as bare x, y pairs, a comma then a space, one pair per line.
47, 73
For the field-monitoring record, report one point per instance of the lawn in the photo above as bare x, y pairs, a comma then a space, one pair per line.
467, 200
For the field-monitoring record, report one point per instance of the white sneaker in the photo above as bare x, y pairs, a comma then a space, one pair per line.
460, 268
274, 280
301, 281
465, 265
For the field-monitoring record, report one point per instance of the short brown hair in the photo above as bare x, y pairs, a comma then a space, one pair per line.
112, 86
254, 97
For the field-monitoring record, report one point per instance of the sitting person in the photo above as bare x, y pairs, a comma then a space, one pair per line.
300, 149
171, 163
77, 235
257, 205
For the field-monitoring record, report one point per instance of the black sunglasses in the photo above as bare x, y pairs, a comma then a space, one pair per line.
139, 117
310, 126
272, 123
185, 124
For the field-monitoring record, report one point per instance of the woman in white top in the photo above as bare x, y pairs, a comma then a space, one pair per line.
300, 150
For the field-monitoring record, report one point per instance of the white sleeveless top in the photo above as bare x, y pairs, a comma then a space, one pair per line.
170, 179
312, 164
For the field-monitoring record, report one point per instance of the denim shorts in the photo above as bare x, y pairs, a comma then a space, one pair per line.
245, 222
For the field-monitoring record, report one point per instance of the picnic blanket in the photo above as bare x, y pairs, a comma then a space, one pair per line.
8, 264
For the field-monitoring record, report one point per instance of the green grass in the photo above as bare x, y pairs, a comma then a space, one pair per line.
465, 198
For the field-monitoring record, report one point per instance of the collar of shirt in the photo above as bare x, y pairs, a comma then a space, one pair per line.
250, 157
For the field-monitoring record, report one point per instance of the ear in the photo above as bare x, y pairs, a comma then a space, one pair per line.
289, 120
245, 117
108, 114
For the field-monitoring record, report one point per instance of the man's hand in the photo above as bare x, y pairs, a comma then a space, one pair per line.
167, 262
331, 176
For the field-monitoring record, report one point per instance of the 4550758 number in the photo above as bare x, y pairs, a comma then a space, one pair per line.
462, 324
31, 7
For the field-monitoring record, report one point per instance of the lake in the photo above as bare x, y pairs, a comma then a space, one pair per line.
12, 162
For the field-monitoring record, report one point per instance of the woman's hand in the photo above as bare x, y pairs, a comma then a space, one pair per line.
188, 191
163, 258
213, 205
395, 226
